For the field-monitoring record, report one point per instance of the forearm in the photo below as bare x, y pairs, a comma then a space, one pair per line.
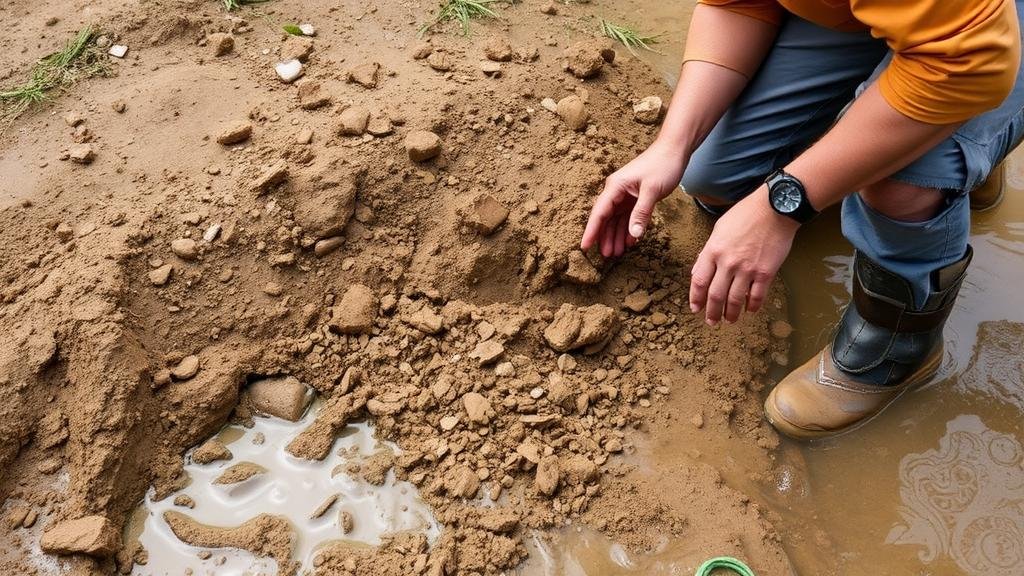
870, 142
723, 50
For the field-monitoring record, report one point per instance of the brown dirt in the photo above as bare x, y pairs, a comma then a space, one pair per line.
419, 291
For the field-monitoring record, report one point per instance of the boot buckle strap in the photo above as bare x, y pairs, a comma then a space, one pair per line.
894, 316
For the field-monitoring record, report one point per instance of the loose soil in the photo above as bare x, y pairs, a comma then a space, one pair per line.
398, 230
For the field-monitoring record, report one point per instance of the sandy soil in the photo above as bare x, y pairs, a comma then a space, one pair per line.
442, 297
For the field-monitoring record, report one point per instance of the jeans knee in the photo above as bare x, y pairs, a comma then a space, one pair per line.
901, 201
711, 181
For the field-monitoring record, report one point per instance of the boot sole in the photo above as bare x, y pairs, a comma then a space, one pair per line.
917, 379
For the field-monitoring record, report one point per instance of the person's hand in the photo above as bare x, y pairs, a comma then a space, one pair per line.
740, 259
623, 211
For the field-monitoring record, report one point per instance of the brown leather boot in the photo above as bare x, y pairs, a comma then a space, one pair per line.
881, 349
990, 193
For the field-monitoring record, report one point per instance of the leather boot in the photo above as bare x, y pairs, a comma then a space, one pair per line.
881, 349
990, 193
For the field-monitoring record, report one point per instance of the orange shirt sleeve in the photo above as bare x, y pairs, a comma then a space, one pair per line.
952, 59
766, 10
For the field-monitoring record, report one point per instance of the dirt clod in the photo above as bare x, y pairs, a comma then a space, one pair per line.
220, 43
92, 535
574, 112
284, 397
422, 145
234, 133
584, 58
366, 75
356, 311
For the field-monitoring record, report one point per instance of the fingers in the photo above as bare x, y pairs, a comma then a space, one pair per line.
608, 236
642, 211
758, 292
620, 236
737, 297
604, 208
700, 281
718, 292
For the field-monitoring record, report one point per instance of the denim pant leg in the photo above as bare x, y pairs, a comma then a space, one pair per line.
806, 79
956, 166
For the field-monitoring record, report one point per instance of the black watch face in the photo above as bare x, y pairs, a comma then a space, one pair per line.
786, 197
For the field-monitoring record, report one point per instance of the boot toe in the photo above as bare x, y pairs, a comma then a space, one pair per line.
789, 411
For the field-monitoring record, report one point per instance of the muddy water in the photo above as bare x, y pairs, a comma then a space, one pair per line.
934, 486
290, 487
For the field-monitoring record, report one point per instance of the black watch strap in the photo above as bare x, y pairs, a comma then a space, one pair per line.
804, 212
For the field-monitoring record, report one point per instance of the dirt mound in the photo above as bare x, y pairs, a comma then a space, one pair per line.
433, 285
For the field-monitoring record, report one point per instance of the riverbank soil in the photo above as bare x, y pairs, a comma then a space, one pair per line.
398, 230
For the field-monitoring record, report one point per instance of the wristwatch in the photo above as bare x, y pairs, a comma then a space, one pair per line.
788, 197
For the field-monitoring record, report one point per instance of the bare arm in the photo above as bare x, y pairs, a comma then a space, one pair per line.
871, 142
723, 50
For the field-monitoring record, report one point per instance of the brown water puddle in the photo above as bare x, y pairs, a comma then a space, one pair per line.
935, 485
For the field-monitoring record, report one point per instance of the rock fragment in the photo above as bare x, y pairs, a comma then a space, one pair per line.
118, 51
478, 408
487, 352
489, 214
185, 248
289, 71
326, 212
160, 276
353, 121
422, 145
548, 475
239, 473
440, 61
271, 176
638, 301
580, 270
283, 396
93, 535
187, 368
573, 111
462, 481
234, 133
356, 311
296, 48
212, 450
425, 320
82, 154
561, 333
366, 75
648, 110
584, 59
312, 96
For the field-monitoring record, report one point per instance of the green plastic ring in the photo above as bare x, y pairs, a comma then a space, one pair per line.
724, 562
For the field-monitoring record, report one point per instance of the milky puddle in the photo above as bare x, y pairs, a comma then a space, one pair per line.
292, 488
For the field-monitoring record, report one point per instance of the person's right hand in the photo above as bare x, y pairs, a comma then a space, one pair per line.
623, 211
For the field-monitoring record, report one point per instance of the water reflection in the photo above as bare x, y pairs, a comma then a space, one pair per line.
965, 500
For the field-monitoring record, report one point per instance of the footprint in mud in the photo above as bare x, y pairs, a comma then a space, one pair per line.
235, 512
965, 500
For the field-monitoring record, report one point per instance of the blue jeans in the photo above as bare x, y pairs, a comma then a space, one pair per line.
804, 84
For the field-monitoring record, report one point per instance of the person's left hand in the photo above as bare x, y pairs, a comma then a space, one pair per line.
740, 259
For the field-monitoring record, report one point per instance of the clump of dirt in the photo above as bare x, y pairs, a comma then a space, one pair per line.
407, 248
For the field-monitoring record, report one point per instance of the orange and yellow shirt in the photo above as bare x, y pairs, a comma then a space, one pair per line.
952, 59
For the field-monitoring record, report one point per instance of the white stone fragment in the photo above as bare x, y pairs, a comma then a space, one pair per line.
118, 50
211, 233
289, 71
550, 105
308, 29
